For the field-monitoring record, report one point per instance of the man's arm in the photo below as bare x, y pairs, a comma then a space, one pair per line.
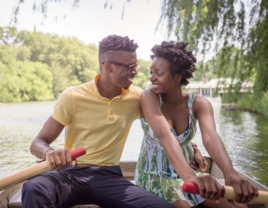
41, 149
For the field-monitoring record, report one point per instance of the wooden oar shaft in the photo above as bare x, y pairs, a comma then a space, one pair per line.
24, 175
229, 192
34, 171
262, 198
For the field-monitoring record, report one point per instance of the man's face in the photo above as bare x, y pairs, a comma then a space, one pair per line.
121, 76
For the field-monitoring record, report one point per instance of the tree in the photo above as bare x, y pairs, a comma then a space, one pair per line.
23, 80
217, 24
142, 77
37, 66
225, 24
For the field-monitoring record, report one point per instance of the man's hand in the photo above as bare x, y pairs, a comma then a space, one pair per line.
201, 164
59, 158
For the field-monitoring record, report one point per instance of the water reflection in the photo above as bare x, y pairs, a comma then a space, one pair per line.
244, 134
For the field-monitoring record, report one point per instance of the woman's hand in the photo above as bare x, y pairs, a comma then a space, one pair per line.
244, 191
201, 164
209, 188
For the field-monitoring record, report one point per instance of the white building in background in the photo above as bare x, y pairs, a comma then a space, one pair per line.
222, 84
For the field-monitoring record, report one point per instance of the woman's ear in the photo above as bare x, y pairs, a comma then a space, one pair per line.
178, 77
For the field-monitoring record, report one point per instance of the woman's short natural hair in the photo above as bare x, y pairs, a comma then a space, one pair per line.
181, 60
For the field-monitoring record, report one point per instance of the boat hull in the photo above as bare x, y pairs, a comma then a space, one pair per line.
11, 197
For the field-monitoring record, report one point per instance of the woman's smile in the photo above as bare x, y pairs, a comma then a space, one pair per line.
155, 86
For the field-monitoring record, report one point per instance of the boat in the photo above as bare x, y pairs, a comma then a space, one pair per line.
11, 197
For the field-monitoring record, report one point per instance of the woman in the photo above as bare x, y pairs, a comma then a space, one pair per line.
169, 117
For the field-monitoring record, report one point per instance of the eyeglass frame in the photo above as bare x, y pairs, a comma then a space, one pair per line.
120, 64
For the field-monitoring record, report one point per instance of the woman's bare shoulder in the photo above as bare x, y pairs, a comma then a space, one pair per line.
201, 103
148, 94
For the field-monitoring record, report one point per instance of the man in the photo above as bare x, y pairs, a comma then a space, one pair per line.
96, 115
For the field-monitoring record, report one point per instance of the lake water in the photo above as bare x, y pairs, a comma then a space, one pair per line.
244, 134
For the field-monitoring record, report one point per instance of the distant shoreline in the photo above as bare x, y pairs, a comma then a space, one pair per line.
233, 107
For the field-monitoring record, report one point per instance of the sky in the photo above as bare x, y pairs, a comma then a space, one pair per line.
90, 23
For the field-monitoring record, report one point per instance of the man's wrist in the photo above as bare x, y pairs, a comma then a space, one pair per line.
45, 151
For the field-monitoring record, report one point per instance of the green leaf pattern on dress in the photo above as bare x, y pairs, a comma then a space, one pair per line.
155, 173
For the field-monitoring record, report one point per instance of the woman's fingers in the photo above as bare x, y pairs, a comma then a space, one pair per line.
248, 192
256, 192
219, 188
204, 166
193, 166
201, 188
209, 188
244, 191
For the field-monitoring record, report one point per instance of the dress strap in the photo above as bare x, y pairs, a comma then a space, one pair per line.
192, 95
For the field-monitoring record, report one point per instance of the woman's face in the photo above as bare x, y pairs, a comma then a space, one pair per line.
160, 76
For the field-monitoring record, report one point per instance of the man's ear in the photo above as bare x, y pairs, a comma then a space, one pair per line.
108, 67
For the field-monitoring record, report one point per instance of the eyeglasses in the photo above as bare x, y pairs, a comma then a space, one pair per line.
130, 67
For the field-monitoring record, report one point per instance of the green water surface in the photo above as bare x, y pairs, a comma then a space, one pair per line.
244, 134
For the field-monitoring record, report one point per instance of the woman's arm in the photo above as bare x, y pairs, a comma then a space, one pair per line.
204, 113
201, 165
150, 109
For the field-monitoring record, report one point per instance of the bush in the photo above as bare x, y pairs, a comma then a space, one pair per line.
250, 102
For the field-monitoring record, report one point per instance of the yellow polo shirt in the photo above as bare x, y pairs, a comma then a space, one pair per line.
97, 123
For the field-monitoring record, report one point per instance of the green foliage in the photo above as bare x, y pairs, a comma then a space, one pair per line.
249, 102
71, 61
238, 28
23, 81
205, 71
37, 66
142, 77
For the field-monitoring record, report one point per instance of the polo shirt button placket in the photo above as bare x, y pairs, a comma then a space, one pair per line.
110, 108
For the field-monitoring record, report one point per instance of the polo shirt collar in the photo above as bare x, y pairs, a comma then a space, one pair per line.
123, 94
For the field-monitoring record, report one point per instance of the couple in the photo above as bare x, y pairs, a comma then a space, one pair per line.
98, 115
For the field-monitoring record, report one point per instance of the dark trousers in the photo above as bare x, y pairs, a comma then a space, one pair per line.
103, 186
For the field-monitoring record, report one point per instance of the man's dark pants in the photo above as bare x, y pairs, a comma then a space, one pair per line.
103, 186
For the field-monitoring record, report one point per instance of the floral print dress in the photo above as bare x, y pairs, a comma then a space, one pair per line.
155, 173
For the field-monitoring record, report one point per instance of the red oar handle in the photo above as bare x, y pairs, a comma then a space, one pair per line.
193, 188
78, 152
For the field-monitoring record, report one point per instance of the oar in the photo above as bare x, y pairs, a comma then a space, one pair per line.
228, 192
34, 171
